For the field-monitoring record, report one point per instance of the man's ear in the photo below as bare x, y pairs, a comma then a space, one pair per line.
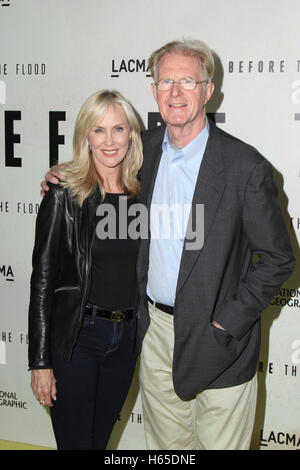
209, 91
154, 91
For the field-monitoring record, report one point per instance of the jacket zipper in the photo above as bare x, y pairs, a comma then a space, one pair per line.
67, 288
88, 270
89, 265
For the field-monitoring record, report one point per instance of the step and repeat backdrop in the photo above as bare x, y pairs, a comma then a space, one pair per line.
53, 55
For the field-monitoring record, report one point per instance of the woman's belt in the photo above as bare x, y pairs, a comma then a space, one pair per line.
113, 315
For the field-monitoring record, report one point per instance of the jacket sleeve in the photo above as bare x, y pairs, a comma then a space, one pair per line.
267, 237
45, 262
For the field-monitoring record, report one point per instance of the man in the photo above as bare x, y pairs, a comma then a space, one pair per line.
199, 328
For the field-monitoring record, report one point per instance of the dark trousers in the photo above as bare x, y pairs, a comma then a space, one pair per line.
92, 388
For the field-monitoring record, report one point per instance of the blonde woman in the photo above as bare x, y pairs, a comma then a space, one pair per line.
82, 314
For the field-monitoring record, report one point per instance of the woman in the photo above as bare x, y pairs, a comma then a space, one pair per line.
82, 314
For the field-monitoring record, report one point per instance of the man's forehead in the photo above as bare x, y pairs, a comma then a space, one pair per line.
178, 60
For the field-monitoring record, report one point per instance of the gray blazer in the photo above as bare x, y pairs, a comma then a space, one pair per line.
220, 281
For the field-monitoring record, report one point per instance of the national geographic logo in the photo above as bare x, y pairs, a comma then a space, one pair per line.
286, 297
5, 3
11, 400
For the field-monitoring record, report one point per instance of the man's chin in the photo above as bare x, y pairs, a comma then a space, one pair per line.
176, 123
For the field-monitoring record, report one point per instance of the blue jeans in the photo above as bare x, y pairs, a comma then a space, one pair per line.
92, 388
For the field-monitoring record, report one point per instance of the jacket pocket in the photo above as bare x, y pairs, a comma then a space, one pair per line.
223, 338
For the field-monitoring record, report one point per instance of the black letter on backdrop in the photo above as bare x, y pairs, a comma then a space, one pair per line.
11, 138
54, 138
154, 120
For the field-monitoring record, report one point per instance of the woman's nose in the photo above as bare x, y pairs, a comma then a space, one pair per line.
108, 139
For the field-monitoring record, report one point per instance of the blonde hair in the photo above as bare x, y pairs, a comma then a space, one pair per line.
81, 175
189, 47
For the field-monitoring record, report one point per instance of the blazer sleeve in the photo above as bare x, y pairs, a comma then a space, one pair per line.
267, 237
45, 261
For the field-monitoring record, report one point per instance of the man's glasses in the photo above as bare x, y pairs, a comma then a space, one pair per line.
185, 83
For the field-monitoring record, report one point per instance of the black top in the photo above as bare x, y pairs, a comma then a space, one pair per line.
114, 255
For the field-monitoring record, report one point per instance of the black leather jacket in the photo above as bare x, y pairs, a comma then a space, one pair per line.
60, 276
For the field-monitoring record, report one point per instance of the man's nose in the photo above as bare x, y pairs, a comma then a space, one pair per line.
176, 89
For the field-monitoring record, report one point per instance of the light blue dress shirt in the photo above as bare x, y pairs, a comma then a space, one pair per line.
171, 201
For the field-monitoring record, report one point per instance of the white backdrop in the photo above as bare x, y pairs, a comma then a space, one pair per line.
56, 53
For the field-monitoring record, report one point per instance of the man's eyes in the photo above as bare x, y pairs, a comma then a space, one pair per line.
183, 80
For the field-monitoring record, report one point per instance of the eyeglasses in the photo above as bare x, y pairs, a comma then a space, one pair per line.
185, 83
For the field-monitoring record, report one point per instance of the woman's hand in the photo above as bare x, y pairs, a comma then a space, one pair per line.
43, 385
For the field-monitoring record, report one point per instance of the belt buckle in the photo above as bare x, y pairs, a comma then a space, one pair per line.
117, 316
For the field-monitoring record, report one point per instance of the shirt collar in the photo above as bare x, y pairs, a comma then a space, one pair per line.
191, 149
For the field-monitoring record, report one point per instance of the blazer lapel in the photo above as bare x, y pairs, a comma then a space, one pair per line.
152, 152
208, 191
152, 155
